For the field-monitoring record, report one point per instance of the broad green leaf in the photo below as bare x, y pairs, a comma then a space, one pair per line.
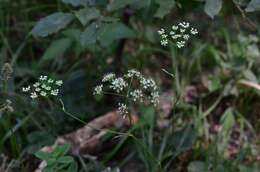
114, 31
117, 4
213, 7
227, 120
76, 3
197, 166
73, 167
42, 155
89, 35
52, 23
56, 49
85, 15
165, 7
60, 150
65, 159
214, 84
253, 5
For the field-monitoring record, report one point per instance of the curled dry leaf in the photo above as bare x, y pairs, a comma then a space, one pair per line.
88, 139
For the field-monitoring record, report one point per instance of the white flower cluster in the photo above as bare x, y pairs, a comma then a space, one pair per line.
44, 87
122, 109
118, 84
180, 34
133, 86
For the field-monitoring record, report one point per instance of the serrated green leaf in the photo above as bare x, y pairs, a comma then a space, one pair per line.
56, 49
85, 15
42, 155
52, 24
118, 4
113, 31
197, 166
89, 35
65, 159
213, 7
253, 5
165, 7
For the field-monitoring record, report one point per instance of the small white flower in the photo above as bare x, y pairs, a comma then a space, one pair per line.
175, 27
26, 89
98, 90
186, 36
155, 98
42, 93
161, 31
122, 109
43, 86
118, 84
194, 31
108, 77
182, 30
55, 92
50, 81
48, 88
164, 36
180, 44
33, 95
164, 42
185, 25
137, 95
37, 89
172, 33
131, 73
36, 84
148, 83
43, 78
59, 82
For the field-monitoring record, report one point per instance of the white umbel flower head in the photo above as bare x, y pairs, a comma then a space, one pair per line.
118, 84
44, 87
122, 109
108, 77
180, 34
98, 90
137, 95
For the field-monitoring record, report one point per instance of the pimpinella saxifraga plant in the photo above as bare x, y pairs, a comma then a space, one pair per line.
133, 88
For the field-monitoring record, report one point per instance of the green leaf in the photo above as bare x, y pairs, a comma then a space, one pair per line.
73, 167
165, 7
42, 155
85, 15
117, 4
227, 120
60, 150
213, 7
89, 35
114, 31
65, 159
52, 23
253, 5
76, 3
56, 49
197, 166
214, 84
